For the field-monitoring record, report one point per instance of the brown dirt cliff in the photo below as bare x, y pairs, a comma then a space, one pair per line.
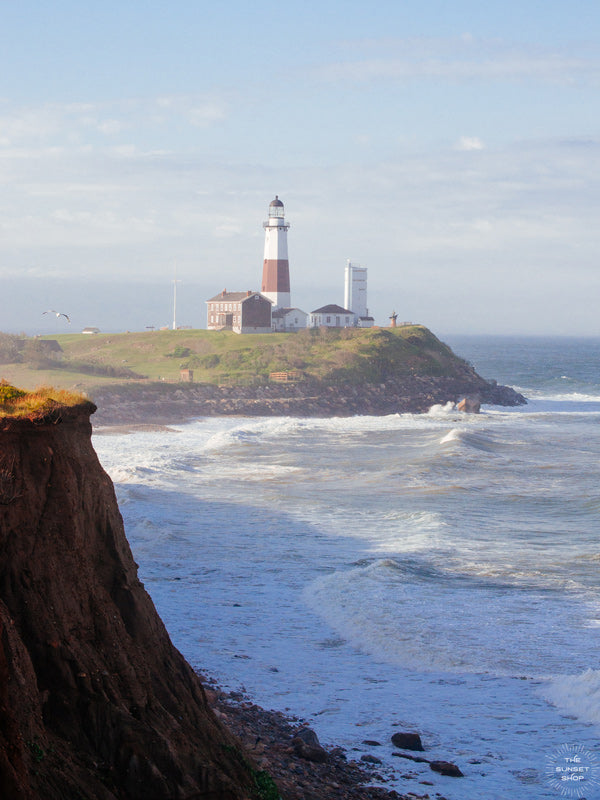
95, 702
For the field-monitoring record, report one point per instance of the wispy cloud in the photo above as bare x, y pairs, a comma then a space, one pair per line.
202, 116
462, 59
78, 123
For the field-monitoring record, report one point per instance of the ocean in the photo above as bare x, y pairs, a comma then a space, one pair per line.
436, 573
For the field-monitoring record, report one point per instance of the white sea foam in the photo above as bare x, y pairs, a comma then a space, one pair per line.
541, 395
469, 438
395, 531
124, 475
416, 615
451, 436
252, 472
447, 410
576, 695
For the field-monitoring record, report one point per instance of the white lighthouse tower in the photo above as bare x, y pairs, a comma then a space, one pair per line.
276, 267
355, 288
355, 294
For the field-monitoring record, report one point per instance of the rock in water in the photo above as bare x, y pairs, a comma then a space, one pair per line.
470, 405
446, 768
407, 741
94, 699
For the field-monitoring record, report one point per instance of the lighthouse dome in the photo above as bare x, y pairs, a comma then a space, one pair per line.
276, 210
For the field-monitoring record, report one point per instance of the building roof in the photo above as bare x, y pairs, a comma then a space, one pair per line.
277, 202
231, 297
332, 308
281, 312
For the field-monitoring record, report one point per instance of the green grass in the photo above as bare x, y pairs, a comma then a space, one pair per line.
331, 355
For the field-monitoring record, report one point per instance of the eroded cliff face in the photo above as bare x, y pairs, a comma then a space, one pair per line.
95, 702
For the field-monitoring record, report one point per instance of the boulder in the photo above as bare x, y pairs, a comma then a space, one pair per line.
446, 768
407, 741
370, 759
306, 745
470, 405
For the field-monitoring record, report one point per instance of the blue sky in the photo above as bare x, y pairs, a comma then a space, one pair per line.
451, 148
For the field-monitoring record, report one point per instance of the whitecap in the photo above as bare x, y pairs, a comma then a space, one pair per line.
452, 436
576, 695
469, 439
416, 614
438, 410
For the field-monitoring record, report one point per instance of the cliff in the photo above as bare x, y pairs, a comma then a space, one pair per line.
95, 702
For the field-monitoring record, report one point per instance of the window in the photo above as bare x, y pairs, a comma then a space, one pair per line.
327, 319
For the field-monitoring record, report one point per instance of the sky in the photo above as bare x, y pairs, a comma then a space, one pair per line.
452, 148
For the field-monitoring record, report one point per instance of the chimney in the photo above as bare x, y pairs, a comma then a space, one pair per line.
224, 292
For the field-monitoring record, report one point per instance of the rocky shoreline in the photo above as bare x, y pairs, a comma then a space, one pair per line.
162, 403
287, 750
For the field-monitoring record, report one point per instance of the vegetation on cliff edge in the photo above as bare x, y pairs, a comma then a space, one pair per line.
16, 402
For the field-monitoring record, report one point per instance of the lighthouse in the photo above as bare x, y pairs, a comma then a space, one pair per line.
276, 268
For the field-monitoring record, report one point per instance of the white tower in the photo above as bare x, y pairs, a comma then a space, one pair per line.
276, 268
355, 289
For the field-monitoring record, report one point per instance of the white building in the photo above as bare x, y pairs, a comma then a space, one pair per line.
355, 294
288, 319
332, 316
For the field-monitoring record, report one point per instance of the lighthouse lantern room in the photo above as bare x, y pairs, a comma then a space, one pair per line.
276, 268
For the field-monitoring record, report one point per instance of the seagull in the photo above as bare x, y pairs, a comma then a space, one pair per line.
58, 314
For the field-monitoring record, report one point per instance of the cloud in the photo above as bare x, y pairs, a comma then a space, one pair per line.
91, 123
462, 59
204, 115
110, 127
29, 124
227, 229
469, 143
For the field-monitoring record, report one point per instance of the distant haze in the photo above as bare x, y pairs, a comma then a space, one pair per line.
450, 148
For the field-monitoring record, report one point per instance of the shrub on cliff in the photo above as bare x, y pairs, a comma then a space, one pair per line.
16, 402
8, 393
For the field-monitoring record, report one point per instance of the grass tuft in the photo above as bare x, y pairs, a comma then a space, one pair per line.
16, 402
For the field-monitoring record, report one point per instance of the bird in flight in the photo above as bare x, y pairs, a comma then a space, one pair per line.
58, 314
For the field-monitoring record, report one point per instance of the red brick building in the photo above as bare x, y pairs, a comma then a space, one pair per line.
240, 312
